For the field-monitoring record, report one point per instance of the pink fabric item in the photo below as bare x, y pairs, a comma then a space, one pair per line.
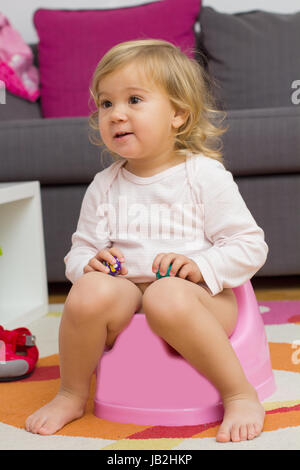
72, 43
17, 71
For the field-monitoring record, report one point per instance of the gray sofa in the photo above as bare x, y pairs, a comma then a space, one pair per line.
261, 149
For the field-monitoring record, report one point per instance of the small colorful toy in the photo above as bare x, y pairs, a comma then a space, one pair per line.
158, 275
114, 269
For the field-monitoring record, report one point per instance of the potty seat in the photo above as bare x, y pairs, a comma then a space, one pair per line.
18, 354
142, 380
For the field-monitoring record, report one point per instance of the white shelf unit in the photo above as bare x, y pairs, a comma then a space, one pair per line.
23, 276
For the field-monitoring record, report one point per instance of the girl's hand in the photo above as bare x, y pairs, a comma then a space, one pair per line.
95, 264
183, 267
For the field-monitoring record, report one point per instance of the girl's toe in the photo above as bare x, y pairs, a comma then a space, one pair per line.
235, 433
243, 432
223, 434
251, 431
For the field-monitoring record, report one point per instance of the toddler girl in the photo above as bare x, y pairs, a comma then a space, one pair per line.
166, 200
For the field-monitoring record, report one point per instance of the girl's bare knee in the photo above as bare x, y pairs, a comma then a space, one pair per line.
98, 294
161, 302
92, 294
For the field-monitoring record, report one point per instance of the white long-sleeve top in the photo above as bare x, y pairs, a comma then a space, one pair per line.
194, 208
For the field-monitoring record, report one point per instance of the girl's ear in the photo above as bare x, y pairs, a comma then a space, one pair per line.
179, 118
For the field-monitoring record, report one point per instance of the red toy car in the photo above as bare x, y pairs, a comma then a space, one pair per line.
18, 354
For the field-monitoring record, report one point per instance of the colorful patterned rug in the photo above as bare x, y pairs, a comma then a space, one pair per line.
282, 424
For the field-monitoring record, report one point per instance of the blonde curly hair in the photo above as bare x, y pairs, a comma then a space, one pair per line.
184, 80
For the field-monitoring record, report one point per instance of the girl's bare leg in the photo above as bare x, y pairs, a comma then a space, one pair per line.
96, 310
197, 325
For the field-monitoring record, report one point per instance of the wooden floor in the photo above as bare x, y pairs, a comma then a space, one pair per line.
270, 288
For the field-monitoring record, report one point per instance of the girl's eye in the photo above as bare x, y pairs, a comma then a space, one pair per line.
135, 97
132, 98
102, 104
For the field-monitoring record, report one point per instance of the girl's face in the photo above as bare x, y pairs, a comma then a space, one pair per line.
129, 103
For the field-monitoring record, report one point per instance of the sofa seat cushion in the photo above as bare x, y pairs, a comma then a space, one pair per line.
253, 56
262, 141
53, 151
58, 151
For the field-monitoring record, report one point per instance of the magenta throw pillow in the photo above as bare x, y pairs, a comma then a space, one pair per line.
71, 43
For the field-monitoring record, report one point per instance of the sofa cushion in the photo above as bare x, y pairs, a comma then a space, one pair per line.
53, 151
58, 151
18, 108
262, 141
253, 56
72, 43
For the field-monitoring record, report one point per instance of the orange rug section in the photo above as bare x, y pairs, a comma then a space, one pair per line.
285, 357
21, 398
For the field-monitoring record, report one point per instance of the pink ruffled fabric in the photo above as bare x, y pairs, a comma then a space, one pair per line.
17, 71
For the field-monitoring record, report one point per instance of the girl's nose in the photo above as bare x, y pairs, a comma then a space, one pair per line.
118, 114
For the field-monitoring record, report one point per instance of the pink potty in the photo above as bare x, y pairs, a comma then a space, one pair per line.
142, 380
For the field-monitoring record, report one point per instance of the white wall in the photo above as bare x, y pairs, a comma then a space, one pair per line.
20, 12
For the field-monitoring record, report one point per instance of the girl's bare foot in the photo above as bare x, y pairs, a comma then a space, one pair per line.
243, 418
63, 409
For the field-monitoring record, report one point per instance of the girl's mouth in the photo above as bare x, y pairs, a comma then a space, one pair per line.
123, 136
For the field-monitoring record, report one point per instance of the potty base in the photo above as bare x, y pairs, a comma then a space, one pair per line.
177, 416
142, 380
